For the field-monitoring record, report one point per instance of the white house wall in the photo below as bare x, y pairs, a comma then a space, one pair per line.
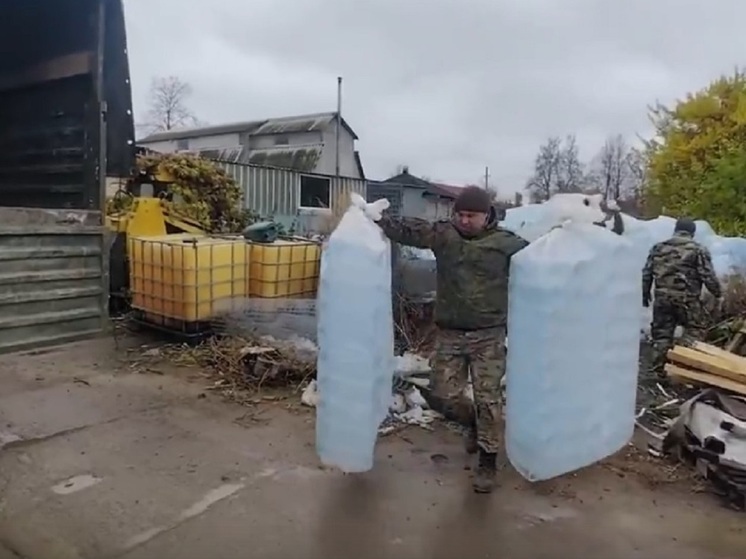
328, 161
414, 204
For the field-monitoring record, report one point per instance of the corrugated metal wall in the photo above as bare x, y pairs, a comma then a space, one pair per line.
267, 191
53, 277
342, 187
273, 192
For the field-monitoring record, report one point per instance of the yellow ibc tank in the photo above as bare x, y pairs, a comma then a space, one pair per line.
187, 277
284, 268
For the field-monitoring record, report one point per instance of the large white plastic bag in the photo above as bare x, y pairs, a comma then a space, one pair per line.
356, 339
535, 220
573, 321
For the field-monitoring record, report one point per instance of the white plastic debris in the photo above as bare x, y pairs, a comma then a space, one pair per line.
310, 395
410, 363
415, 416
398, 403
414, 399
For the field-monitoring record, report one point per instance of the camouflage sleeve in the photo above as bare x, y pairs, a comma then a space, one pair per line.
707, 273
512, 243
410, 231
647, 274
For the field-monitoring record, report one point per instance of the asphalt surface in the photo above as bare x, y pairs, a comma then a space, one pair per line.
98, 462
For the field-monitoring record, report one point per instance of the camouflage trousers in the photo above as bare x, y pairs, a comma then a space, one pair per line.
668, 313
459, 353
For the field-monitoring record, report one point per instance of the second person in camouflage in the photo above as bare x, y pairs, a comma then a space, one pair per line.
473, 262
679, 267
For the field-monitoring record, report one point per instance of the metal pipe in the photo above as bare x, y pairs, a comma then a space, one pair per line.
339, 123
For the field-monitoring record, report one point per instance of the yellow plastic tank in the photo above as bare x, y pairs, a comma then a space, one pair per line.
187, 277
284, 268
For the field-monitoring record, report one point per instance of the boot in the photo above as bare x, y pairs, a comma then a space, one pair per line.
484, 481
470, 441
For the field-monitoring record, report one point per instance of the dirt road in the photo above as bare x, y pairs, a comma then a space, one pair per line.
102, 462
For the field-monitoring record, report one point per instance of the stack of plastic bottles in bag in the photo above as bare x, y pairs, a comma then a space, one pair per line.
356, 339
573, 325
534, 220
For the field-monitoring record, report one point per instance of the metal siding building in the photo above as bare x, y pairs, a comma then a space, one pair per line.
276, 193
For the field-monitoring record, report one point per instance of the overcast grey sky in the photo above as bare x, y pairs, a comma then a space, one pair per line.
445, 86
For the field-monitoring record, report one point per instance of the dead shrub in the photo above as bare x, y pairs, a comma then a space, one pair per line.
414, 324
724, 320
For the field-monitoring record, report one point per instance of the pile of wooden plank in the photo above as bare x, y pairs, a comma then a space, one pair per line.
704, 364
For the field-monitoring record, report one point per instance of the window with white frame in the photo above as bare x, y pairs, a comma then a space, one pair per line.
315, 192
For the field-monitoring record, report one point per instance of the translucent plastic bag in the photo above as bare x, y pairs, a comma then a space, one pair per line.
355, 337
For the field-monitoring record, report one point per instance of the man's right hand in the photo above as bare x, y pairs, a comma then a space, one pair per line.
646, 301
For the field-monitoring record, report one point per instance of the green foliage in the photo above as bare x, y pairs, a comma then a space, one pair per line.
696, 164
203, 191
119, 203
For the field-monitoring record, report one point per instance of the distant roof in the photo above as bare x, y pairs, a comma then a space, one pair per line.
430, 188
445, 190
359, 163
405, 179
288, 124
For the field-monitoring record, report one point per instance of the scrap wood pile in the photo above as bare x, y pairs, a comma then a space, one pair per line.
658, 401
710, 430
708, 365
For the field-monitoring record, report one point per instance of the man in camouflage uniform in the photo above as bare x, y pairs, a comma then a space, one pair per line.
473, 259
679, 267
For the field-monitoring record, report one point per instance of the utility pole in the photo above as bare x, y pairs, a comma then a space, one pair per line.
486, 178
339, 123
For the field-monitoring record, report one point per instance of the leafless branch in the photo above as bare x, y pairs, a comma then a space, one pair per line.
557, 168
168, 109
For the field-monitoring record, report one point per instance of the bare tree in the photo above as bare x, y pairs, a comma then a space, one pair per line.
570, 177
543, 181
636, 170
557, 169
632, 195
618, 170
611, 167
168, 108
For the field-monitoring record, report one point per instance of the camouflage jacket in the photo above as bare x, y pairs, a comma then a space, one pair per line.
679, 267
472, 273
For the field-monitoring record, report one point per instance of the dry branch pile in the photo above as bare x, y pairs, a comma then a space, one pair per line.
415, 326
242, 365
725, 321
